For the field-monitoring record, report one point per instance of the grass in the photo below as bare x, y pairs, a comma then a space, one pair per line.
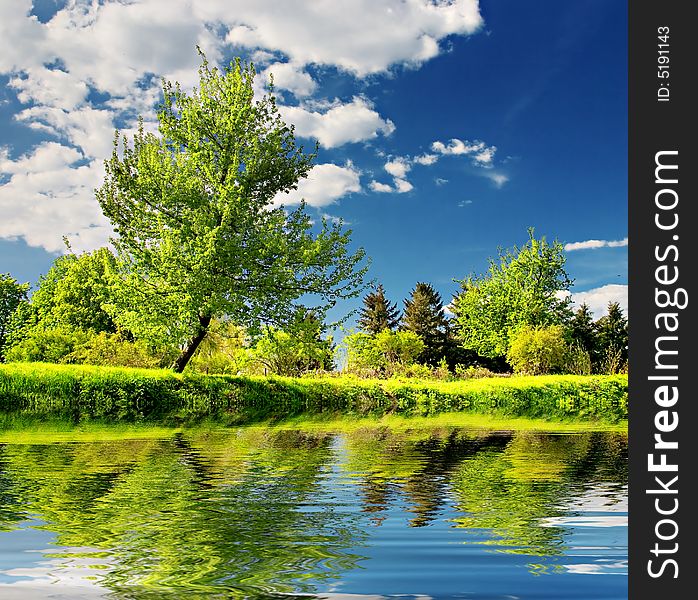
110, 394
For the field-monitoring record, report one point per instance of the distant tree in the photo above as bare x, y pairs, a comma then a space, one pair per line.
71, 296
12, 294
198, 234
613, 338
424, 315
583, 332
521, 288
378, 313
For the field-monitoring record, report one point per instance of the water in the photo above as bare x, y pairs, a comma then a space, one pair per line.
265, 513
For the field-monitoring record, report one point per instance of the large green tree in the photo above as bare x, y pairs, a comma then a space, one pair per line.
424, 315
378, 313
522, 287
12, 293
198, 232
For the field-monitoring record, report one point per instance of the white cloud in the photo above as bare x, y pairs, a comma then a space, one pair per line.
291, 77
598, 298
48, 195
377, 186
481, 153
402, 186
355, 121
440, 181
117, 51
593, 244
499, 179
367, 37
324, 185
426, 159
87, 128
398, 167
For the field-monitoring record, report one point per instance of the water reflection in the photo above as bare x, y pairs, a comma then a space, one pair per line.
256, 511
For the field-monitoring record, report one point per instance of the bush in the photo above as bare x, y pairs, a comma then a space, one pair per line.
538, 350
109, 349
473, 372
41, 344
578, 361
388, 352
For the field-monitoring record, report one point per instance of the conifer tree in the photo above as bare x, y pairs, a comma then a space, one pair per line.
583, 331
378, 313
424, 315
613, 332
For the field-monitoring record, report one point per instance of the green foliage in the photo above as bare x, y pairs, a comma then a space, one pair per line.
40, 344
538, 350
199, 236
224, 350
110, 349
583, 332
382, 353
613, 339
12, 294
520, 288
85, 392
74, 293
378, 313
293, 352
424, 316
579, 361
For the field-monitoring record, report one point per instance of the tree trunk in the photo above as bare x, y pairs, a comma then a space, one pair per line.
193, 344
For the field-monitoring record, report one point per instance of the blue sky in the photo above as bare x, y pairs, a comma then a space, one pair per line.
446, 129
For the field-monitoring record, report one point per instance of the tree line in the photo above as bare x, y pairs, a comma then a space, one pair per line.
511, 318
516, 317
208, 271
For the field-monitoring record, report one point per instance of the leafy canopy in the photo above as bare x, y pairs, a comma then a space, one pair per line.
522, 287
12, 293
199, 235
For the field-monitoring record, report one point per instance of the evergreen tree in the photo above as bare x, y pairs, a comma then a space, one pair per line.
424, 315
378, 313
584, 333
613, 332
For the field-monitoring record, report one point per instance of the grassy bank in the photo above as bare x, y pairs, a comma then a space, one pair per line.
135, 395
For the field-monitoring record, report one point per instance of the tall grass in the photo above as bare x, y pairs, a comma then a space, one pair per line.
133, 395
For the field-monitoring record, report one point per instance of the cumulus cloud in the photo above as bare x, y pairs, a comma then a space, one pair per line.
369, 37
593, 244
324, 185
355, 121
398, 167
291, 77
76, 87
48, 194
402, 186
377, 186
598, 298
481, 153
426, 159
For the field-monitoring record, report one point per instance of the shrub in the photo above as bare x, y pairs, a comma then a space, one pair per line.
538, 350
55, 344
109, 349
578, 361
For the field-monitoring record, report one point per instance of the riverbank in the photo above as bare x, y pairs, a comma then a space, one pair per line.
88, 393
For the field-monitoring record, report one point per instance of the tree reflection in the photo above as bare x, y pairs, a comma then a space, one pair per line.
275, 511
